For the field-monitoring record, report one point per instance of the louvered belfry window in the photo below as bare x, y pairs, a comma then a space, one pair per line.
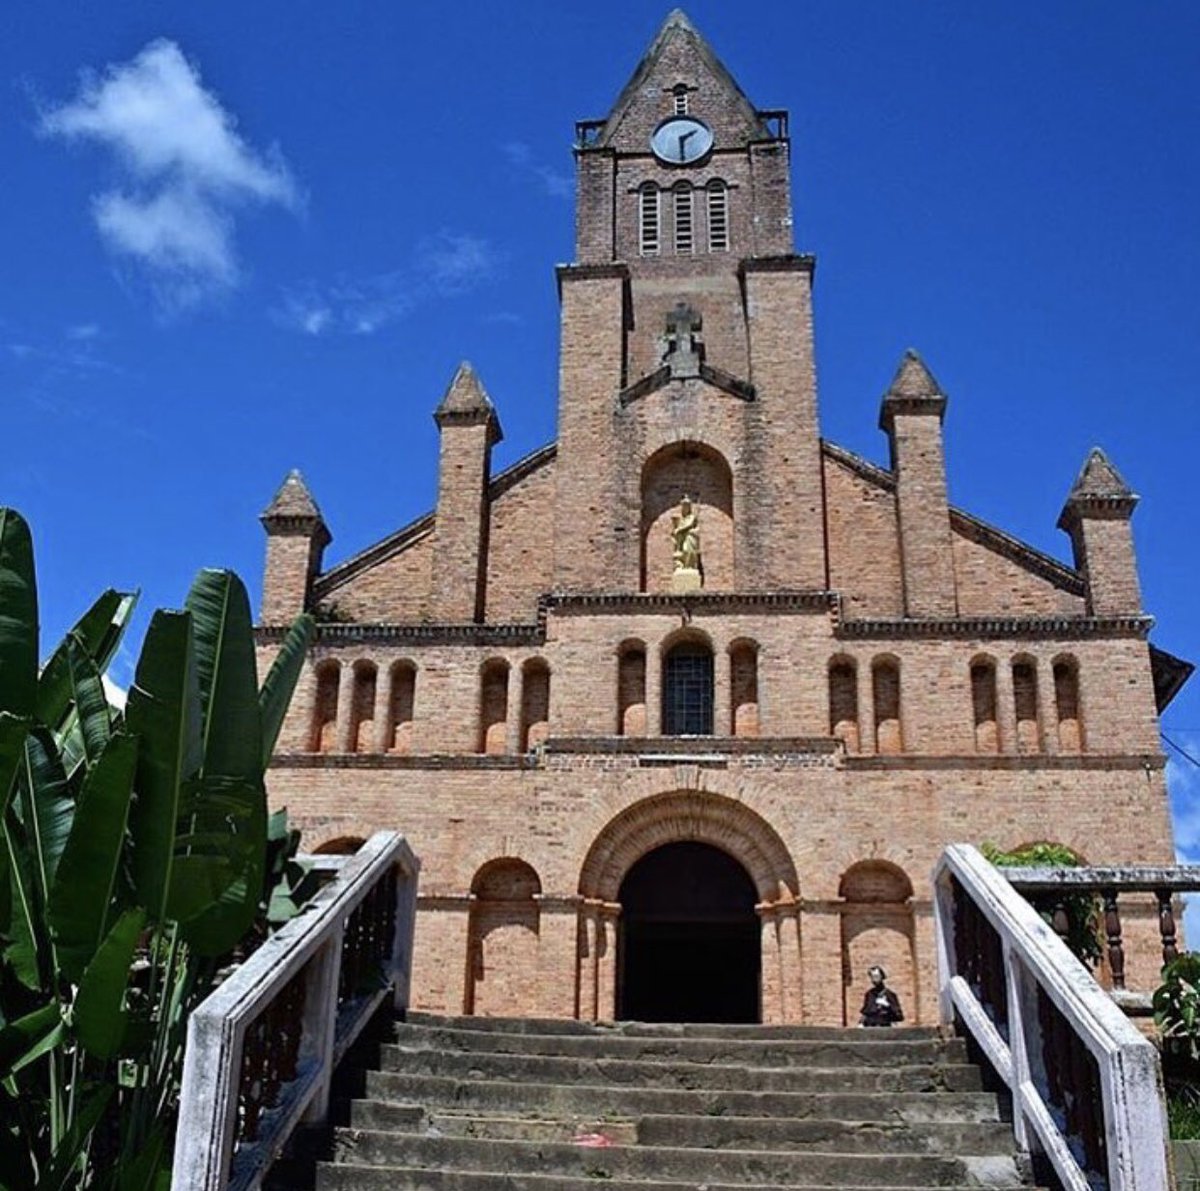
649, 220
683, 219
718, 217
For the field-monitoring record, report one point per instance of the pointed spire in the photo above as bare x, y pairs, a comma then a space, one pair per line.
1099, 491
466, 402
914, 390
294, 508
677, 43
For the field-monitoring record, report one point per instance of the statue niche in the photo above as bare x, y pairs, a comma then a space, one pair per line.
687, 498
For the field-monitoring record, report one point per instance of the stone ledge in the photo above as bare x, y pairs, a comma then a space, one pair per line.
1028, 627
398, 761
697, 749
1024, 762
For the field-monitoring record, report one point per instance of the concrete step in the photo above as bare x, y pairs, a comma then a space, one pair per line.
637, 1029
689, 1074
713, 1133
840, 1049
349, 1177
389, 1091
369, 1148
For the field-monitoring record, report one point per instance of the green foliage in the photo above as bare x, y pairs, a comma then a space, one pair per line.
135, 855
1177, 1007
1084, 911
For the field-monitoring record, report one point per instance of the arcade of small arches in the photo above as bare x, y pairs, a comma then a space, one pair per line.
683, 219
687, 687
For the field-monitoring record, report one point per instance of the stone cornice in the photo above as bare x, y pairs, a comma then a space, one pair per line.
701, 601
993, 761
1027, 627
684, 748
795, 262
661, 377
397, 761
418, 634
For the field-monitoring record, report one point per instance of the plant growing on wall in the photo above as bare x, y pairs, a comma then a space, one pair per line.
1084, 911
133, 857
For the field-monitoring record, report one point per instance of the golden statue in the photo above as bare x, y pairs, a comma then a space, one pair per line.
685, 536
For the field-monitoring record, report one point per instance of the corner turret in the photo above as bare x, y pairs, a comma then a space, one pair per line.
296, 539
1097, 515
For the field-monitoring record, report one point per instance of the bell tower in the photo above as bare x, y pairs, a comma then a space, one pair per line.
686, 327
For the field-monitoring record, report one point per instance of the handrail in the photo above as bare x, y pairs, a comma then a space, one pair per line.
1086, 1086
261, 1050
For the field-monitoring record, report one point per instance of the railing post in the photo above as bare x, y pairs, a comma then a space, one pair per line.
320, 1021
407, 867
947, 960
1166, 925
1112, 931
1017, 1043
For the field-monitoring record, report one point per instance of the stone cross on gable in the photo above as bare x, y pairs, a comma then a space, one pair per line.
684, 344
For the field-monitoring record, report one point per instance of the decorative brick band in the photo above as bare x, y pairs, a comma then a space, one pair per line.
694, 747
701, 601
891, 762
397, 761
1031, 627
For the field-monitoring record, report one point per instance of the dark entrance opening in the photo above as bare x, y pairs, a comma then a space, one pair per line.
690, 939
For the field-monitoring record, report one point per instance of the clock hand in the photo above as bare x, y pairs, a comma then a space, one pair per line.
682, 139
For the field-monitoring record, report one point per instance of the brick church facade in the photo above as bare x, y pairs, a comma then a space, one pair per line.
679, 710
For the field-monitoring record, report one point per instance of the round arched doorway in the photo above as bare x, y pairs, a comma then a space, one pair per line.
690, 943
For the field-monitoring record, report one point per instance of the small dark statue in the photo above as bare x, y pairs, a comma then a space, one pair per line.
881, 1006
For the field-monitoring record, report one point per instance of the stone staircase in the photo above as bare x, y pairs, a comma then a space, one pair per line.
480, 1104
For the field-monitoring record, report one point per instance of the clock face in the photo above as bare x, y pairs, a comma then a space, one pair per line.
681, 140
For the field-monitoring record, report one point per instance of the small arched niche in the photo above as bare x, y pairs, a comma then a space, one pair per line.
701, 474
878, 928
323, 738
502, 964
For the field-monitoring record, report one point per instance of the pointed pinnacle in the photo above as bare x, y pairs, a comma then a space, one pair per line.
1099, 490
913, 378
293, 508
466, 401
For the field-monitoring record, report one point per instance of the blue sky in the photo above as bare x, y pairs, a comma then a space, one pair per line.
242, 238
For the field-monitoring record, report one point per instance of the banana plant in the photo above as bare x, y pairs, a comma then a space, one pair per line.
133, 859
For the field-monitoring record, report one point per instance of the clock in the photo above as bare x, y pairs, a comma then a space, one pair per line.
681, 140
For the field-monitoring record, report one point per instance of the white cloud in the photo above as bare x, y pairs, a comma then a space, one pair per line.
444, 265
184, 170
551, 181
81, 332
117, 696
455, 263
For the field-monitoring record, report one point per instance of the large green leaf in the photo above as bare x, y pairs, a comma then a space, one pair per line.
280, 683
12, 750
64, 1166
164, 712
223, 633
88, 725
99, 630
35, 833
28, 1038
100, 1016
80, 900
18, 616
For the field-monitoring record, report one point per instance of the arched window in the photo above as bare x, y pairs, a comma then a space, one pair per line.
362, 708
983, 702
631, 689
1066, 703
535, 703
325, 708
687, 690
649, 220
493, 707
843, 703
1025, 702
404, 690
885, 688
718, 216
684, 238
743, 684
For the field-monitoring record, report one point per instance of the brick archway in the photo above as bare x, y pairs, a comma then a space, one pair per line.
690, 815
700, 817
